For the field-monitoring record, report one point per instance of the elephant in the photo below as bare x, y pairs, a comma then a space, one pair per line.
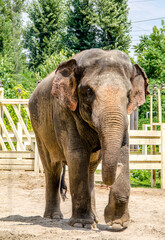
79, 116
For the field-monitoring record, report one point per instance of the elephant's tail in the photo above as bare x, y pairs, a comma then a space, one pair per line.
63, 186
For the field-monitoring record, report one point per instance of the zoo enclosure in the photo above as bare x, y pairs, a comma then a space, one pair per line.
18, 150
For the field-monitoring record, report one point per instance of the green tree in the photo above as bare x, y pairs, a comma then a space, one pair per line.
42, 34
13, 69
50, 64
150, 53
98, 23
10, 24
81, 34
111, 17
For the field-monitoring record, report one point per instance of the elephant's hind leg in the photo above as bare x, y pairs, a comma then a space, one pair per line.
95, 159
52, 209
52, 177
93, 202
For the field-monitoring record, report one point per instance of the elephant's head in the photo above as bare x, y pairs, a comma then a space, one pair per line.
105, 86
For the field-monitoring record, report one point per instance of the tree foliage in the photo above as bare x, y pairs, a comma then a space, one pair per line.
111, 18
98, 23
11, 29
13, 69
81, 33
41, 36
151, 56
50, 64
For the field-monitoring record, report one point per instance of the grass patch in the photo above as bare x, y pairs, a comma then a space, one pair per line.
98, 172
140, 178
143, 184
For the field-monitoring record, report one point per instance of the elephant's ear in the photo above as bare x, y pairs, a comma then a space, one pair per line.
65, 85
140, 88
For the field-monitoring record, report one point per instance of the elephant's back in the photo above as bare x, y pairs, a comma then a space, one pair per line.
44, 87
41, 100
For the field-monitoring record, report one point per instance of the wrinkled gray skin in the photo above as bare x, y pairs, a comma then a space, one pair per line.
77, 110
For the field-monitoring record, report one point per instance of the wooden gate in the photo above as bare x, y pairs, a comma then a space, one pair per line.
18, 150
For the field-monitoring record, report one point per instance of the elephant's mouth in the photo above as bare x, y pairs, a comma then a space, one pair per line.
96, 148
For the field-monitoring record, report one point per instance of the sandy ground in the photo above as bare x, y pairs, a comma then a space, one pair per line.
22, 205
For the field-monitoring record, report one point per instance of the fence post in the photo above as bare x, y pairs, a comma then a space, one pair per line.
144, 147
153, 172
19, 127
163, 156
132, 128
136, 116
1, 108
128, 116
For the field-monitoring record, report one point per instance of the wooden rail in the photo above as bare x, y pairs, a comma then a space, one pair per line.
14, 160
145, 160
153, 160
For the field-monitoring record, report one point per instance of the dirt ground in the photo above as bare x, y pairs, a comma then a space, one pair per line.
22, 205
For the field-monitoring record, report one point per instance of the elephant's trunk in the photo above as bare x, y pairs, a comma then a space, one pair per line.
111, 136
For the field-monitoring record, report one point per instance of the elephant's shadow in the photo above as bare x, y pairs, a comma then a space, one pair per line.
51, 223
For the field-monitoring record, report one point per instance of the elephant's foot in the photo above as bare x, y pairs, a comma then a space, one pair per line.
118, 223
53, 215
117, 218
88, 223
116, 213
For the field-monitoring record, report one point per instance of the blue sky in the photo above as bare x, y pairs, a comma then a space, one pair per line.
144, 10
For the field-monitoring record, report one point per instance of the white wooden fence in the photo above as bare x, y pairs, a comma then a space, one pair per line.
17, 143
18, 150
152, 160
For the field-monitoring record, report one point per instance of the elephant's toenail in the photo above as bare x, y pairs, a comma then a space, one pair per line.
78, 225
109, 223
116, 226
125, 224
88, 226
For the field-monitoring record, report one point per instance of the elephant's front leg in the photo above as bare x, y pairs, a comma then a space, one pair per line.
116, 212
78, 165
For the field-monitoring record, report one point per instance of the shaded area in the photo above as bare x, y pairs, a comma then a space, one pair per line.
52, 223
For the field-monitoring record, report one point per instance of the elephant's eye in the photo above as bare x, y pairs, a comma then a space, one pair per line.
89, 92
129, 94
